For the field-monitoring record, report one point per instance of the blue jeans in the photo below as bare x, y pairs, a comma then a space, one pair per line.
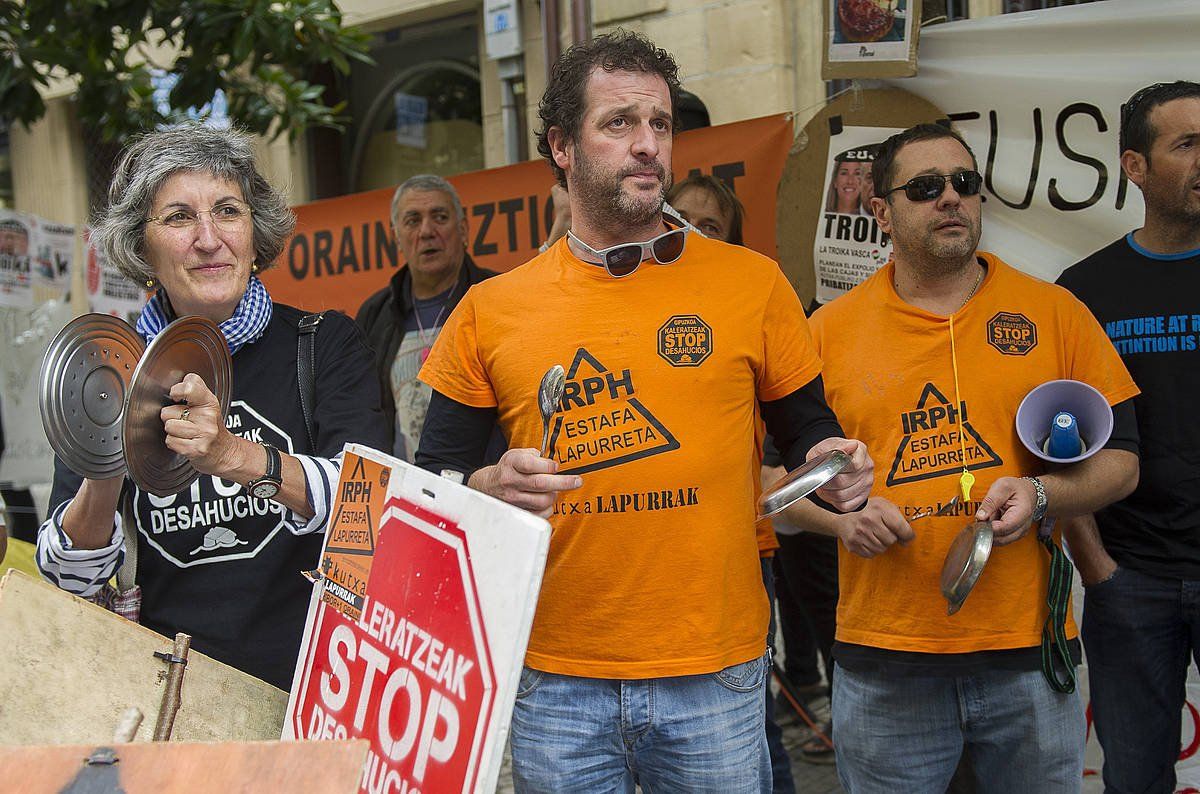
696, 733
1140, 633
906, 733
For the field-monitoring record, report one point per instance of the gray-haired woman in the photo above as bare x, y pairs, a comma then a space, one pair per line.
190, 214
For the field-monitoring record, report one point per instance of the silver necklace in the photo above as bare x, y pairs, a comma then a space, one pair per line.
978, 281
971, 294
428, 338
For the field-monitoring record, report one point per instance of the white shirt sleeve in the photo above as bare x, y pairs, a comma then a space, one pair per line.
78, 571
321, 478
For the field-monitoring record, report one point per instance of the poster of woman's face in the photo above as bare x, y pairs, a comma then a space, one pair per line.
845, 187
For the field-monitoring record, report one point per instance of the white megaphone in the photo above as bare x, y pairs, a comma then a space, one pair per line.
1064, 421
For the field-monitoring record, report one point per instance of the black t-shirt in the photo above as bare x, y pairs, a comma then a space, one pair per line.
1149, 304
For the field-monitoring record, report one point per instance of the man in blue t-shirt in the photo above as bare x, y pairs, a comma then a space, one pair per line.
1139, 560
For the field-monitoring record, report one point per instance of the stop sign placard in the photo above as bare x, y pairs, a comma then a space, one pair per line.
413, 673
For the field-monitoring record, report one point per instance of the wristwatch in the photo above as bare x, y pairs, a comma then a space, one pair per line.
1040, 505
267, 486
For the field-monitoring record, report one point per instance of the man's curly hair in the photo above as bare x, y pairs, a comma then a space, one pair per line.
565, 100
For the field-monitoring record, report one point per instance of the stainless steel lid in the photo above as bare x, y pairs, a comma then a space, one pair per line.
964, 563
83, 382
801, 482
190, 344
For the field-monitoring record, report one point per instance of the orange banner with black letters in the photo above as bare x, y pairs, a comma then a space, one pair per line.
344, 248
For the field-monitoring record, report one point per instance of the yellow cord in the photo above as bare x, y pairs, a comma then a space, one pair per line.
967, 479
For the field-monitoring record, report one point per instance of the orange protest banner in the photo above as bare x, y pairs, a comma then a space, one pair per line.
344, 249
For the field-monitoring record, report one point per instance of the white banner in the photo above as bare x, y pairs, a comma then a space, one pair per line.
1038, 97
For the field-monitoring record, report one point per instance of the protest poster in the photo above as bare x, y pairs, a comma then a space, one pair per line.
108, 290
418, 649
16, 288
52, 252
849, 244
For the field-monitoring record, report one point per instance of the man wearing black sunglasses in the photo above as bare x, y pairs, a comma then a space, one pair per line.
1141, 566
927, 360
647, 659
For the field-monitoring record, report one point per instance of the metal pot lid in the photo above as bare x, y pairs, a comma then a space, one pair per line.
82, 386
801, 482
190, 344
964, 563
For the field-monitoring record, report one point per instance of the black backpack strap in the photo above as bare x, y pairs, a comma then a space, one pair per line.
306, 369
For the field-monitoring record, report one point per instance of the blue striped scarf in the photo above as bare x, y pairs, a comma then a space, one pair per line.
247, 324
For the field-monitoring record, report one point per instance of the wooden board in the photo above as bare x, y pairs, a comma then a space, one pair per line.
167, 768
69, 669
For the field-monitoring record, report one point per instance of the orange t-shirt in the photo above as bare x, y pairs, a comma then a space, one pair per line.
653, 568
889, 378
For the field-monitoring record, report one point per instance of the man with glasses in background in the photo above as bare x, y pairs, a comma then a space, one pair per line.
1141, 567
927, 361
647, 659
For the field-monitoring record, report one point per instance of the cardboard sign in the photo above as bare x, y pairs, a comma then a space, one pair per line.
425, 661
69, 669
177, 768
353, 533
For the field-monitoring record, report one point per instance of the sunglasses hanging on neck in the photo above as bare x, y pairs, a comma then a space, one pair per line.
622, 260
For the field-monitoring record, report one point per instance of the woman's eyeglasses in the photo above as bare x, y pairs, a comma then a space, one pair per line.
227, 214
622, 260
928, 187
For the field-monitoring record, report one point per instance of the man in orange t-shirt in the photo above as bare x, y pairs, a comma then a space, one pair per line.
647, 658
927, 360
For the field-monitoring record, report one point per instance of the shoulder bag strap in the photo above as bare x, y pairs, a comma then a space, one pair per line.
306, 368
127, 573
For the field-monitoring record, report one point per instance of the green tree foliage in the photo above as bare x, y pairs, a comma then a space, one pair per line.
255, 51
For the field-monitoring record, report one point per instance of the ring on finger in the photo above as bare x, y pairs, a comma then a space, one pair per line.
186, 413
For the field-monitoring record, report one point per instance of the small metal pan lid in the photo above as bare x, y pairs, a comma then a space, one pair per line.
83, 381
190, 344
801, 482
964, 563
